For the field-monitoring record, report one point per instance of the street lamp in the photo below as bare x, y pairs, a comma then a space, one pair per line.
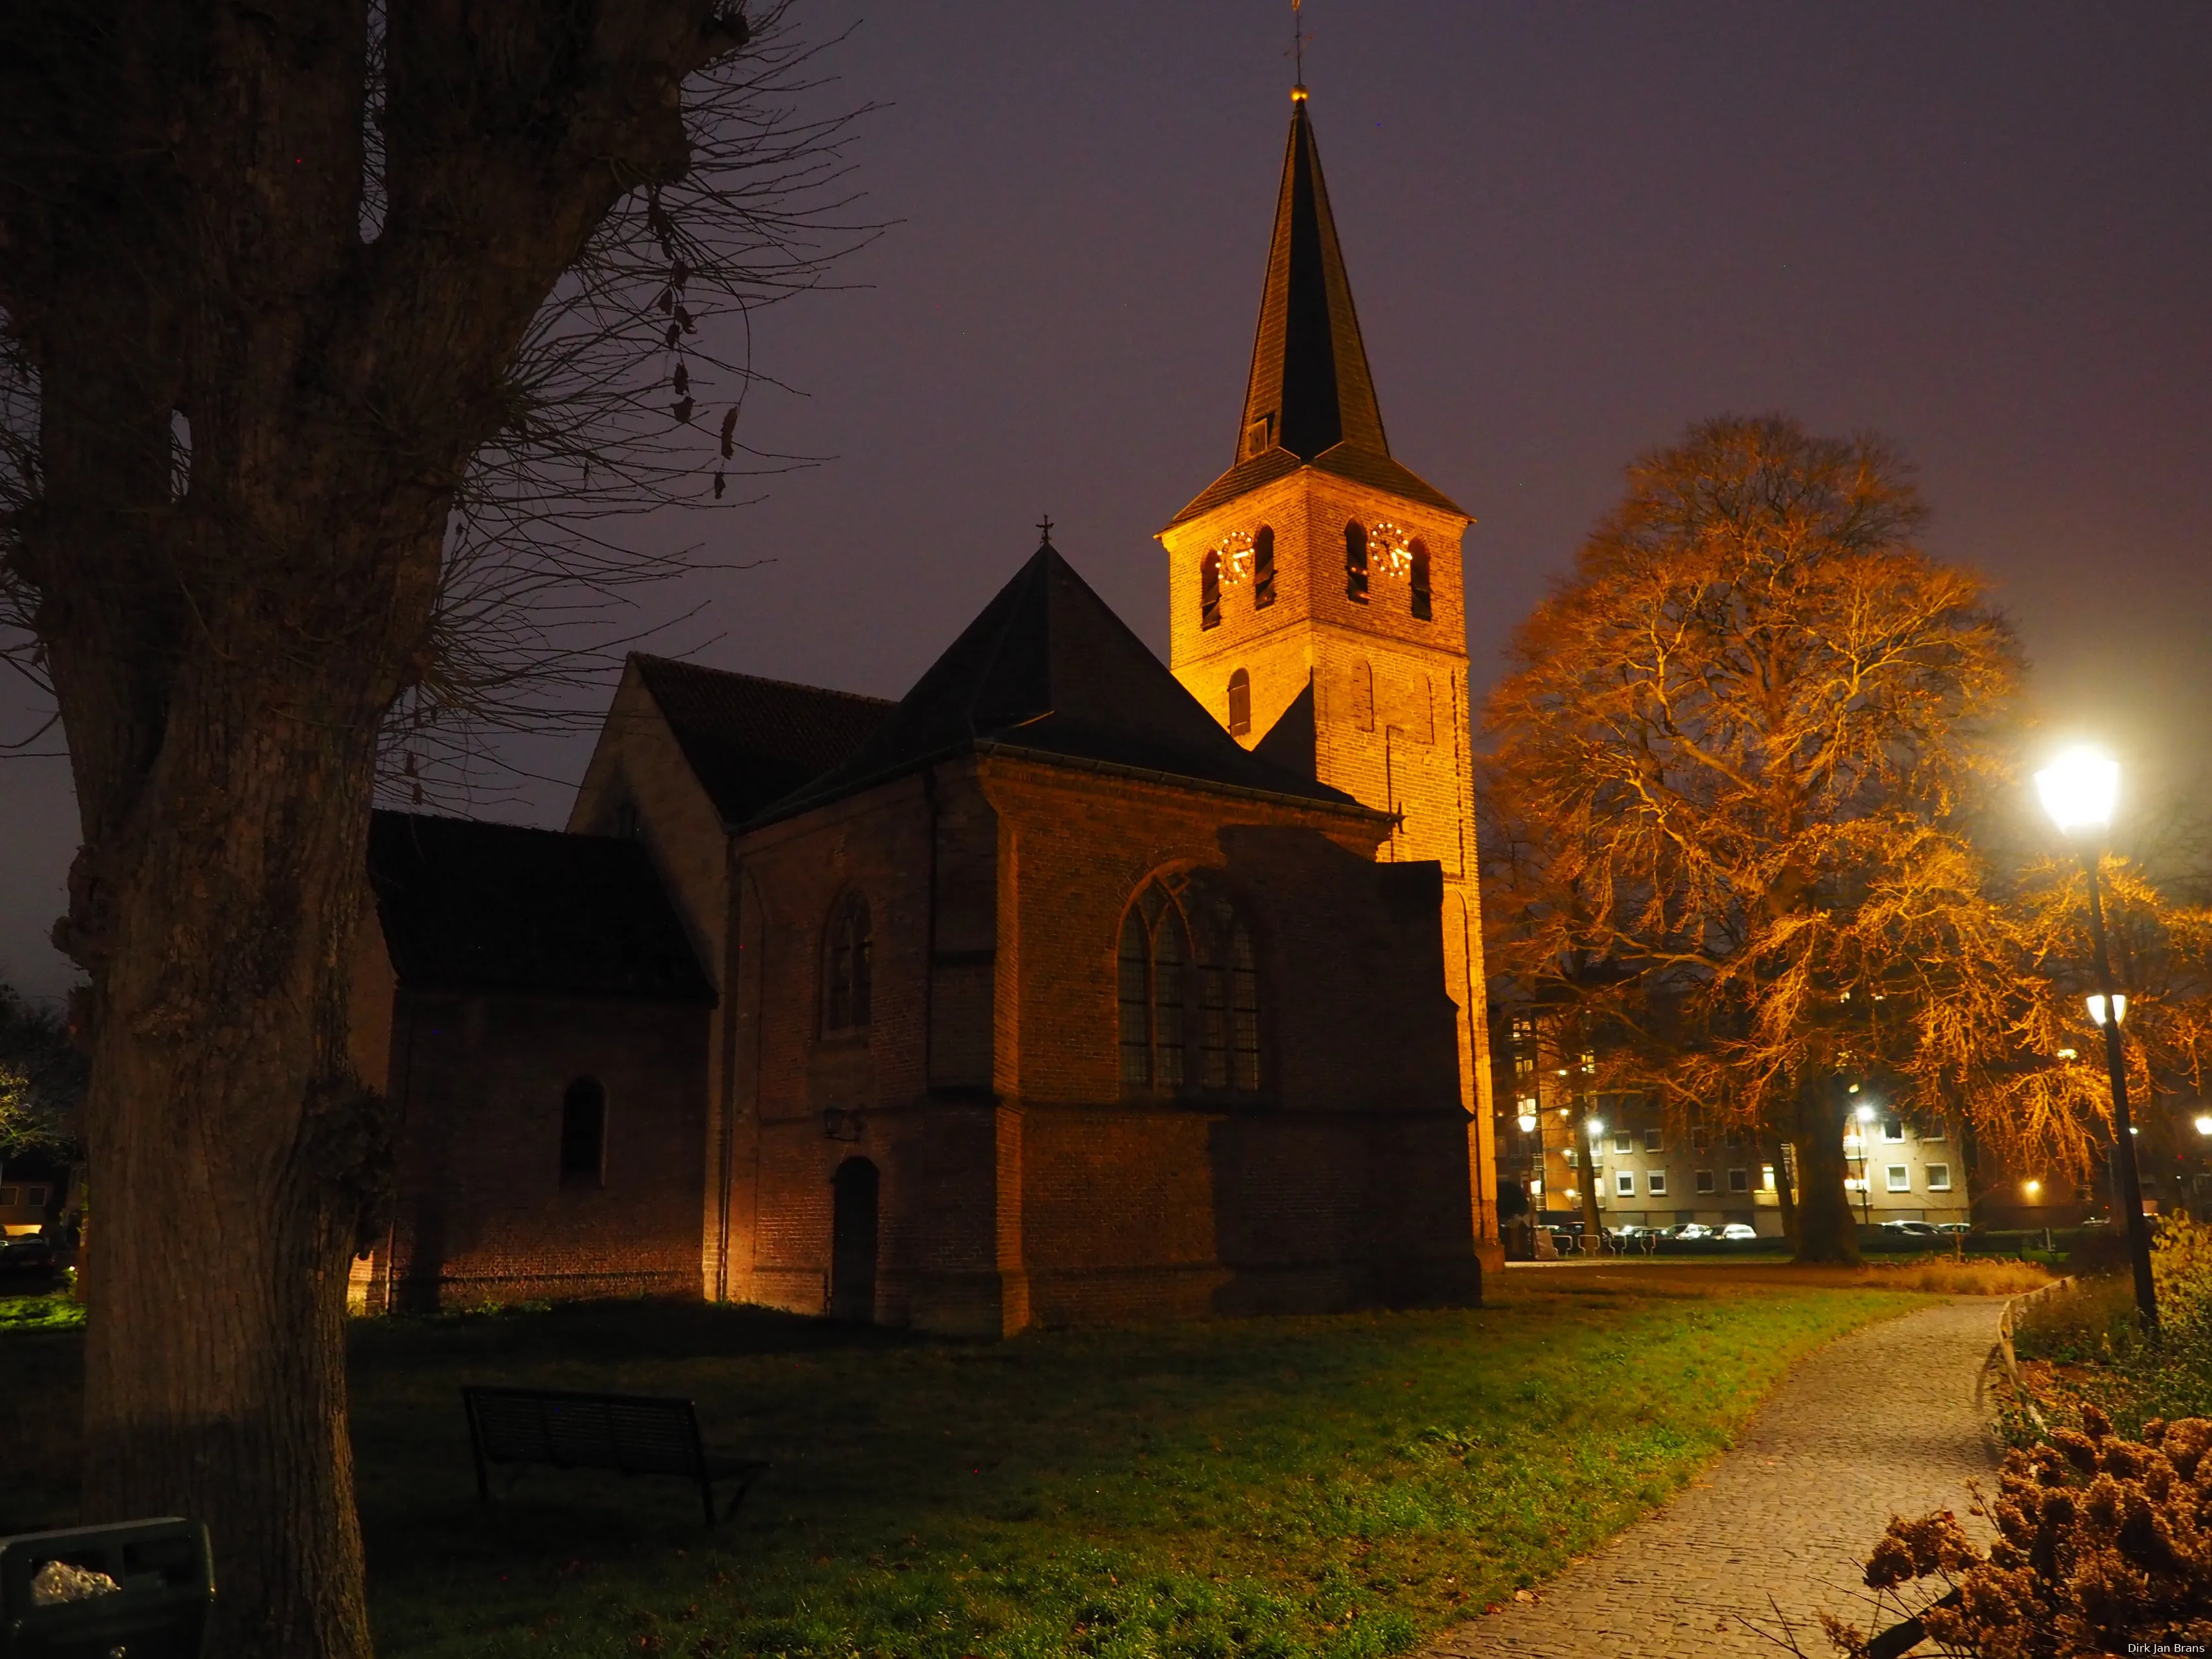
2078, 790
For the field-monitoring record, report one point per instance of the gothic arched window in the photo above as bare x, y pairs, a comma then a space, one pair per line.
584, 1133
1187, 980
1423, 606
1263, 568
1240, 703
1209, 591
1355, 563
845, 1002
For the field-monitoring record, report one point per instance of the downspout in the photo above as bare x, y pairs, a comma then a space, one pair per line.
398, 1134
929, 967
733, 1012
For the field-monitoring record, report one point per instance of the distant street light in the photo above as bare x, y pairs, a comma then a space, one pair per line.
2204, 1126
2079, 790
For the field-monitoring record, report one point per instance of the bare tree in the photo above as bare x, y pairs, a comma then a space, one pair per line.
337, 334
1740, 749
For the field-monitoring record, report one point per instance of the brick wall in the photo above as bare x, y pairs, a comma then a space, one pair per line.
483, 1213
1019, 1184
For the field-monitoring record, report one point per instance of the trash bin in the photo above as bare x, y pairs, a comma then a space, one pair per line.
139, 1589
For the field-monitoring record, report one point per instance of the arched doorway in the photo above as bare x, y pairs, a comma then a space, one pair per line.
852, 1242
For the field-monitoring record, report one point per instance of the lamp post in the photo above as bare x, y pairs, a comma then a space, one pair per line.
2078, 791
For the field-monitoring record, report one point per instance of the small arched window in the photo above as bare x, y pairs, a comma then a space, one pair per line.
846, 1004
1423, 606
1187, 981
1263, 568
584, 1134
1209, 591
1355, 563
1240, 703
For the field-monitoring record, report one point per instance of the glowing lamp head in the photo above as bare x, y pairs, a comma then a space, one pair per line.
2204, 1125
1597, 1127
1528, 1121
2078, 790
2119, 1009
2030, 1187
1866, 1114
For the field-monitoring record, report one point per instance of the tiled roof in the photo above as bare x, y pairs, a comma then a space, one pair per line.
1049, 670
499, 907
750, 741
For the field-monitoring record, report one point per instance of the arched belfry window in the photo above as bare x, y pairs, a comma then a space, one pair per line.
1209, 591
1423, 606
1189, 991
1263, 568
584, 1133
1355, 563
1240, 703
847, 997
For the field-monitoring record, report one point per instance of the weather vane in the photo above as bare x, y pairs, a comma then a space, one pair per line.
1298, 43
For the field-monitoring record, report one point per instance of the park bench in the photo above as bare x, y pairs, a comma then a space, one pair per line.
631, 1434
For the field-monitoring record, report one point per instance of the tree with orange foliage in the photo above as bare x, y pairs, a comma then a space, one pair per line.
1735, 765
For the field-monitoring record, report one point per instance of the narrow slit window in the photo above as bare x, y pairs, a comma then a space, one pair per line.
1209, 591
1263, 568
1424, 606
1169, 953
1136, 1002
1240, 703
1245, 1009
1355, 563
1213, 1021
851, 989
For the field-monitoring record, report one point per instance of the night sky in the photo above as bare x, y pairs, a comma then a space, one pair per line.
1983, 230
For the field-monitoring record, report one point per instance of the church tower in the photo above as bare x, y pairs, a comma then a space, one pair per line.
1318, 605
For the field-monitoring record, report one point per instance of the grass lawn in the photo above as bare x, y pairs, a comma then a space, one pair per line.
1330, 1486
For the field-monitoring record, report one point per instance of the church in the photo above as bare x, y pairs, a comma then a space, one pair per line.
1071, 988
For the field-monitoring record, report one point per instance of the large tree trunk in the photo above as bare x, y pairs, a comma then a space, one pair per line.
238, 1151
1593, 1222
182, 191
1827, 1230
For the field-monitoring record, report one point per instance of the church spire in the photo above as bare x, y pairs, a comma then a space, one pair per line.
1311, 388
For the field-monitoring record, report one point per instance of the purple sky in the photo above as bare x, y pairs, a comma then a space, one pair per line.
1983, 229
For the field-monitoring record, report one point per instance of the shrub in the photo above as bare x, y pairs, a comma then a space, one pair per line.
2181, 1272
2103, 1546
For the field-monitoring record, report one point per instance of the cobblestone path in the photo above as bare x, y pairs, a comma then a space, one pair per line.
1881, 1422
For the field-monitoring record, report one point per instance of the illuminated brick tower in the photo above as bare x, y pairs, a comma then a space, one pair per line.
1318, 606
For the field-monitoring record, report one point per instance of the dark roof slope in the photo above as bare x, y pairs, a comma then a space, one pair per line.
1048, 668
498, 906
750, 741
1311, 400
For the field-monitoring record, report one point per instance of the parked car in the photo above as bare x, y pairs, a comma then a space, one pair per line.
1633, 1233
1948, 1228
30, 1254
1739, 1230
1689, 1229
1913, 1228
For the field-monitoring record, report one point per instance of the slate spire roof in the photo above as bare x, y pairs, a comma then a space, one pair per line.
1311, 400
1048, 671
